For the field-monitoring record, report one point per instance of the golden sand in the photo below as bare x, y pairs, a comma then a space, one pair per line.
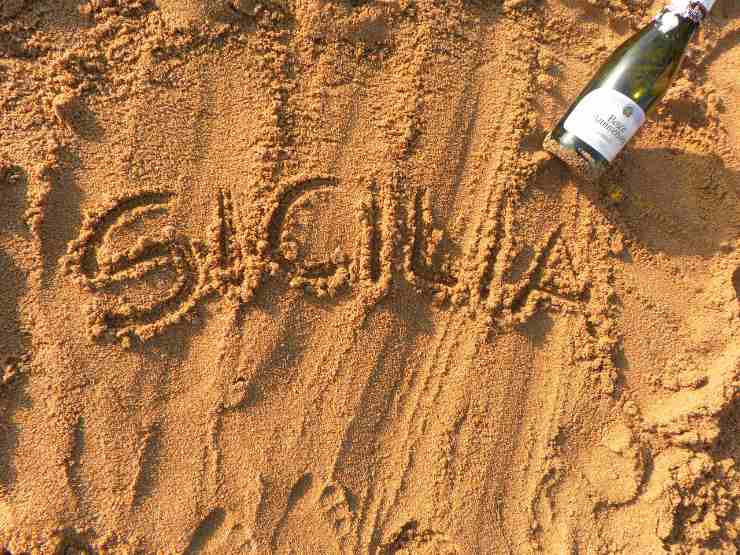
294, 276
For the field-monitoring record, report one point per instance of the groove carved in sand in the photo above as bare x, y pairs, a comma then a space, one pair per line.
505, 295
236, 262
98, 270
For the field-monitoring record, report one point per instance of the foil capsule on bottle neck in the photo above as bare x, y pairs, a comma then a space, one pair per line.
696, 10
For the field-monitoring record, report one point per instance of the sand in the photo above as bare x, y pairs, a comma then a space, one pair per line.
294, 276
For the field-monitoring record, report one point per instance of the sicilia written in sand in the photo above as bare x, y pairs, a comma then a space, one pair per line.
500, 282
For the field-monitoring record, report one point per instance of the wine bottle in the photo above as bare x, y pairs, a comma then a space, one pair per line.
612, 107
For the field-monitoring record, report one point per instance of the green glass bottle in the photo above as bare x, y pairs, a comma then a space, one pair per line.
612, 107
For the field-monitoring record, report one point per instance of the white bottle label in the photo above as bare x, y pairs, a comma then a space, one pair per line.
606, 120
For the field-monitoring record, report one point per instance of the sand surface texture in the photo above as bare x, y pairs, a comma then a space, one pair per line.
294, 276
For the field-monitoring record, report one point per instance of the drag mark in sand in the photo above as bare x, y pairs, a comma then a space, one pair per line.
77, 445
421, 252
98, 270
410, 539
322, 277
336, 509
202, 535
300, 488
225, 260
146, 467
236, 262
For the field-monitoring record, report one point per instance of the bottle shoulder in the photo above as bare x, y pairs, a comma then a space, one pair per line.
644, 65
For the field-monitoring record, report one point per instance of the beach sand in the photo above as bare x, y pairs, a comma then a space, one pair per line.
294, 276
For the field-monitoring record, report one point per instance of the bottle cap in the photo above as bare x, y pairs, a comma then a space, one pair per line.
693, 9
684, 4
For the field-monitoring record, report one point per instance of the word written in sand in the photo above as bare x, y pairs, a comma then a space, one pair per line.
397, 241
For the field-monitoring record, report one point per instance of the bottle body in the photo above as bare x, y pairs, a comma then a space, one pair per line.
613, 105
